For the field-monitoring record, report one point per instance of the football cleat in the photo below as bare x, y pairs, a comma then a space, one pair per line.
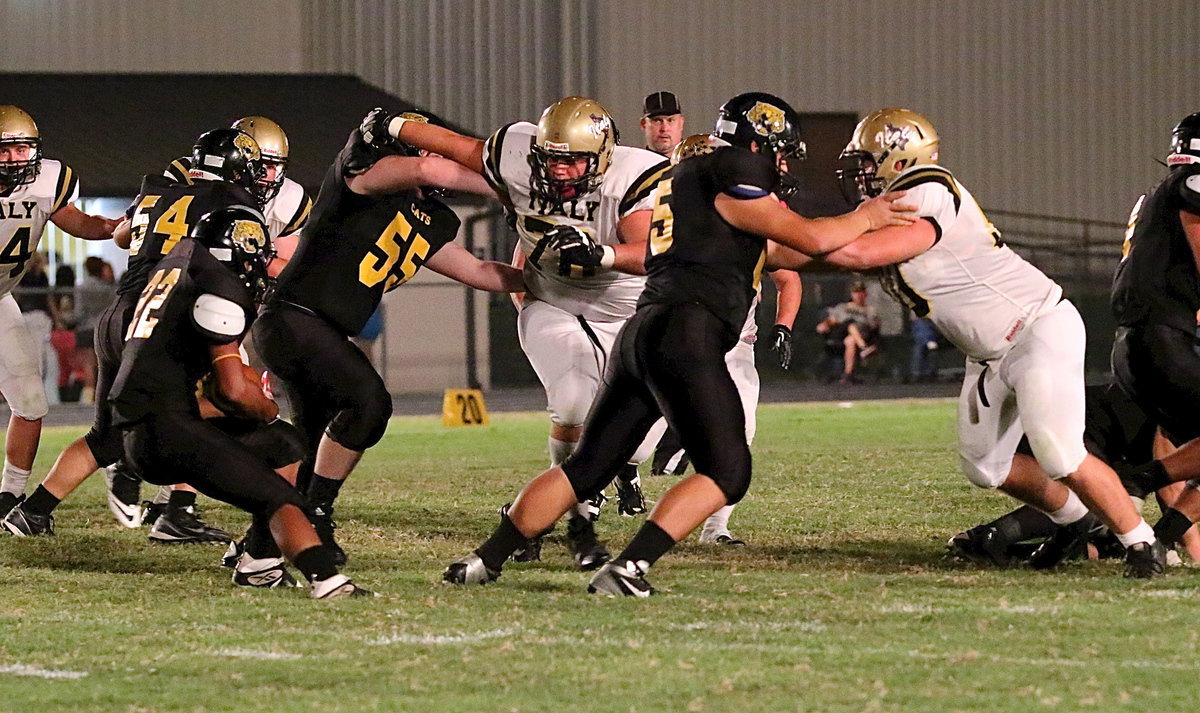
630, 501
723, 537
531, 552
24, 524
621, 578
1145, 560
321, 517
1067, 542
591, 507
233, 553
8, 501
182, 526
469, 570
339, 586
981, 544
268, 573
588, 550
124, 497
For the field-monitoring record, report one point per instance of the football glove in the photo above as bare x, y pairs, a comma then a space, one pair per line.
578, 253
374, 128
781, 341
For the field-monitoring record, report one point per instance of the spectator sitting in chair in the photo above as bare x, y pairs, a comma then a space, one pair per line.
851, 330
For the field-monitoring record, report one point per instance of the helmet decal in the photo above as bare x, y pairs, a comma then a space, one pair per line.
766, 118
249, 235
893, 136
248, 145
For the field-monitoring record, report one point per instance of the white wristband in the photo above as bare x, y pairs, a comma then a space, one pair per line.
395, 125
608, 256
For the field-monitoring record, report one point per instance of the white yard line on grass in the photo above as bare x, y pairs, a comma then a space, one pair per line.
236, 653
436, 640
20, 669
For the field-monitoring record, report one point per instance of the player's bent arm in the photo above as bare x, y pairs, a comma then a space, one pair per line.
236, 390
393, 174
633, 231
1191, 228
884, 247
463, 150
458, 263
88, 227
791, 292
285, 247
766, 217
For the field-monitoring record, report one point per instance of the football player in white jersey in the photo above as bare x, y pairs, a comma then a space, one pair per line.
564, 174
33, 190
1023, 341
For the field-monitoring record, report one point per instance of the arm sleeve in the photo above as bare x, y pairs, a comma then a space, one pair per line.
745, 175
219, 319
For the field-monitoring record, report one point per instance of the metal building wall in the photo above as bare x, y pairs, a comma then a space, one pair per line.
479, 64
150, 36
1045, 106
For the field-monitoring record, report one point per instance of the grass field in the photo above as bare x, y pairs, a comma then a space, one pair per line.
843, 601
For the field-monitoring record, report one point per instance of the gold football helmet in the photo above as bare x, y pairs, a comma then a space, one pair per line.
273, 143
694, 145
884, 144
570, 129
17, 127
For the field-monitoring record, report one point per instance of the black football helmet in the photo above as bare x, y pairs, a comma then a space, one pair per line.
769, 123
237, 237
231, 155
1185, 142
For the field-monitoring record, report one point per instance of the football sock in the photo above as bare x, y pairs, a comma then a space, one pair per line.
718, 522
500, 546
1172, 526
1024, 523
163, 496
649, 544
42, 502
14, 479
323, 490
559, 450
1141, 533
316, 563
1072, 511
629, 473
181, 499
259, 542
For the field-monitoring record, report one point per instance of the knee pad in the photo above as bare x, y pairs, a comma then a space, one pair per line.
27, 398
981, 477
589, 476
730, 470
106, 446
279, 443
362, 424
1057, 458
570, 397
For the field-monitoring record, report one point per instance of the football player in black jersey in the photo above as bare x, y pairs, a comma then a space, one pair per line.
227, 166
713, 218
1156, 299
375, 223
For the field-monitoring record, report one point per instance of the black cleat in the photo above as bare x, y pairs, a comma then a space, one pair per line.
981, 544
729, 540
621, 578
321, 517
469, 570
8, 501
589, 552
630, 501
269, 573
124, 496
1145, 560
233, 553
1067, 542
182, 526
24, 524
531, 552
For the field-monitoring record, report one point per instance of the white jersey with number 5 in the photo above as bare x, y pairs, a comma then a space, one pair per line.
23, 215
979, 293
628, 186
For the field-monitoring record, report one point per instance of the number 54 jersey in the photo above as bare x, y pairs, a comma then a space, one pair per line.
24, 211
355, 248
979, 293
628, 185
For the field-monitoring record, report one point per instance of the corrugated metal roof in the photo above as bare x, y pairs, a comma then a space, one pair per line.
114, 128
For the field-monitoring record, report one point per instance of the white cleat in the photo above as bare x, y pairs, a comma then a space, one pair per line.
339, 586
621, 578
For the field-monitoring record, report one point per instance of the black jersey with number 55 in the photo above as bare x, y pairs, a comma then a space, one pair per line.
355, 248
190, 302
163, 214
694, 255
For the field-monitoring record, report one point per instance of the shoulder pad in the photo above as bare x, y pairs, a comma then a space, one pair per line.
920, 175
219, 316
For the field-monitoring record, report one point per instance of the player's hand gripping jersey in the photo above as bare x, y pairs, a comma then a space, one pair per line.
24, 211
693, 254
355, 248
1157, 281
190, 302
978, 292
163, 214
607, 296
286, 212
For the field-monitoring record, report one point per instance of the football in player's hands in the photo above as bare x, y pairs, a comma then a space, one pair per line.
374, 127
212, 390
